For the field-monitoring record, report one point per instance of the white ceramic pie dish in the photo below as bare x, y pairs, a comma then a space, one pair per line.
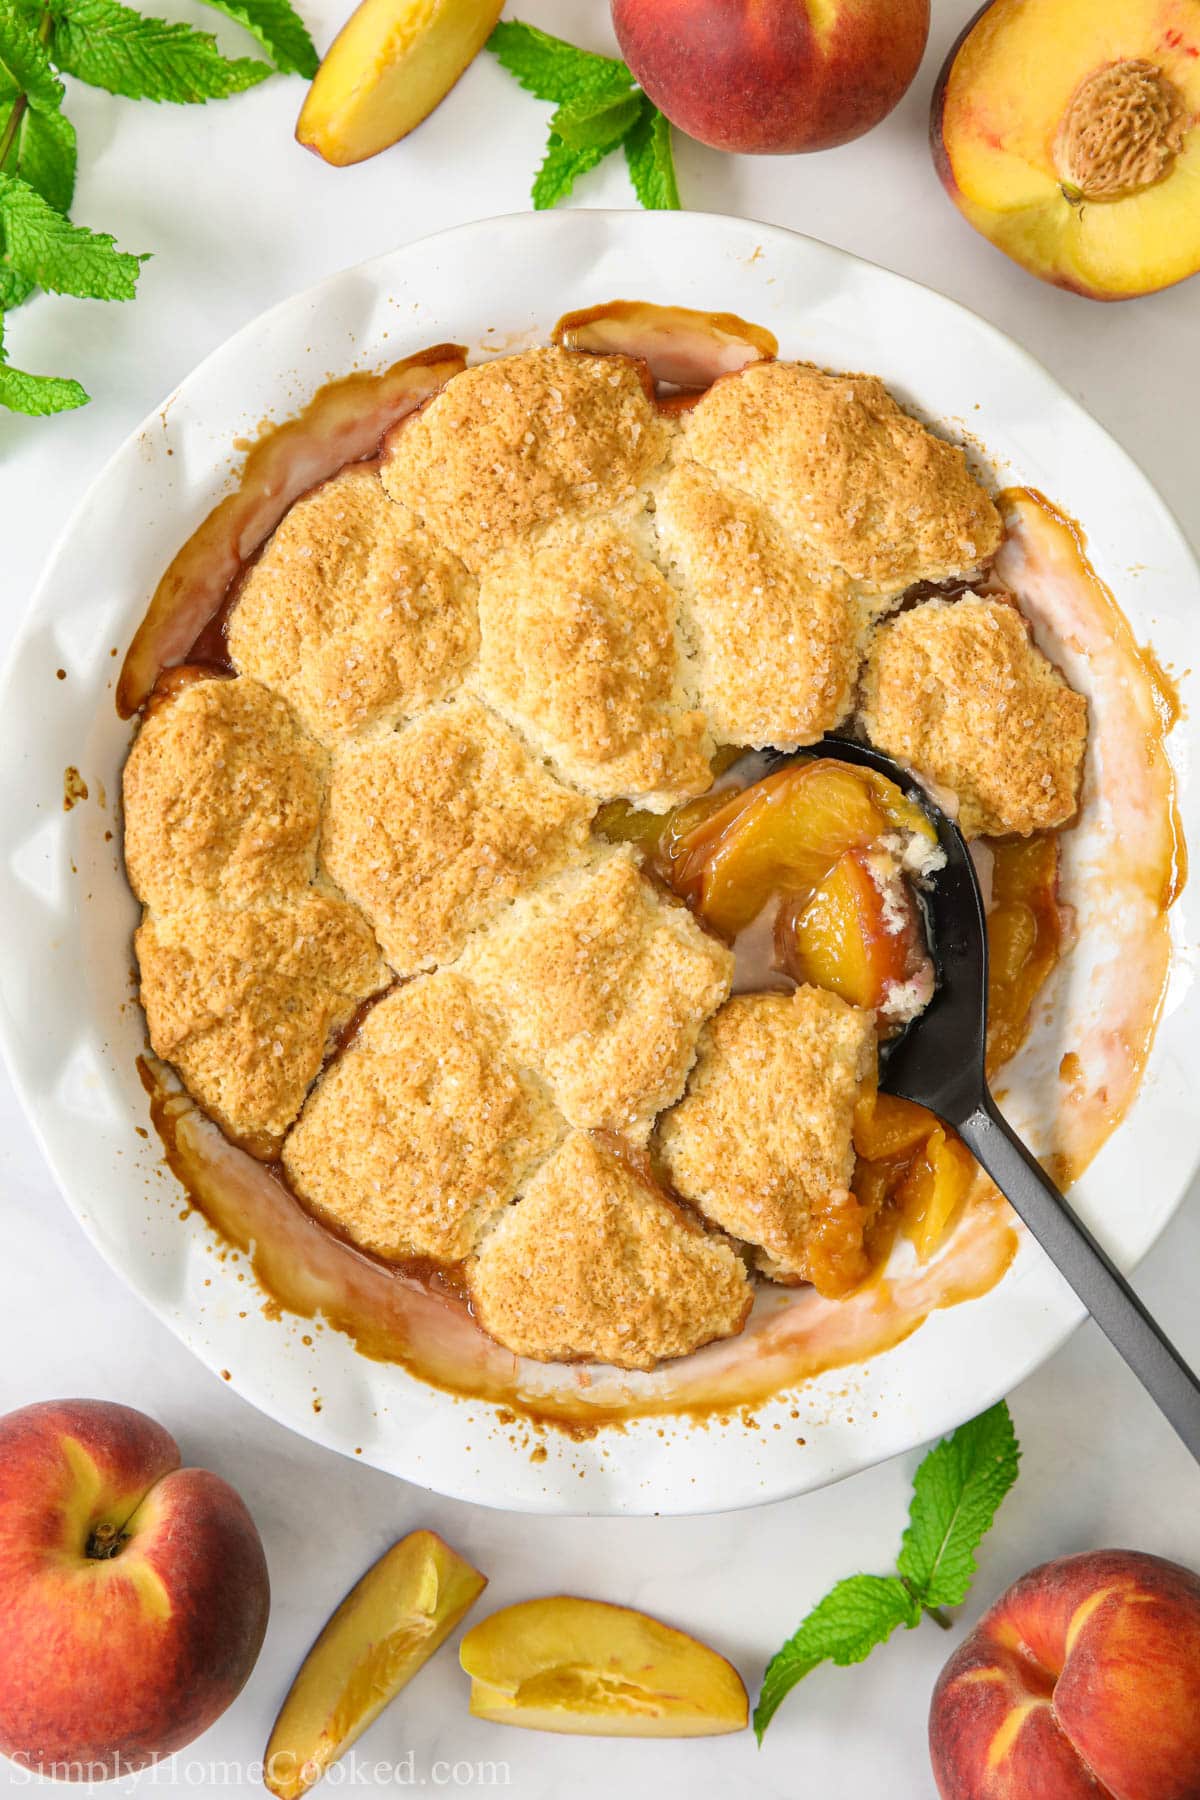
73, 1031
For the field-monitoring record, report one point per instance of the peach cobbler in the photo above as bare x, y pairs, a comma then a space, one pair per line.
479, 901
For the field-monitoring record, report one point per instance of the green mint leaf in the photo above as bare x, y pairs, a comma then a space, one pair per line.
596, 123
14, 288
39, 394
67, 259
113, 47
956, 1492
36, 394
843, 1628
553, 69
560, 170
279, 29
651, 160
24, 58
45, 157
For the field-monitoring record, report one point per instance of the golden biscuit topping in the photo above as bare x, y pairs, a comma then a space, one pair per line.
602, 985
578, 652
961, 694
353, 612
594, 1262
222, 796
528, 441
846, 473
432, 830
775, 642
549, 593
762, 1142
246, 1003
423, 1129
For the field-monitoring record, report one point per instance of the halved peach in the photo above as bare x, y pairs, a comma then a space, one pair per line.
387, 1627
1066, 131
563, 1664
392, 62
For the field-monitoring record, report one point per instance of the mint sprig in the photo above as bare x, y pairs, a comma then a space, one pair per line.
599, 108
110, 46
956, 1492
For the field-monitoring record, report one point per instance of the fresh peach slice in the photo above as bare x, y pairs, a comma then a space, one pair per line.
386, 70
1066, 131
386, 1628
583, 1666
934, 1189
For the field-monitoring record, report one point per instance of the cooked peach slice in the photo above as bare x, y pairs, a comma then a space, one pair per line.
1067, 132
858, 935
783, 834
386, 1628
1025, 933
934, 1189
583, 1666
386, 70
885, 1126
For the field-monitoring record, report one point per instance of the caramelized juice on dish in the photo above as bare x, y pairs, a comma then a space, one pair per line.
909, 1173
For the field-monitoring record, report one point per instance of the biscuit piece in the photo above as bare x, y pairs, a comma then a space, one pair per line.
603, 986
959, 691
245, 1003
846, 472
510, 445
578, 651
433, 829
776, 642
353, 612
222, 798
762, 1141
423, 1129
596, 1263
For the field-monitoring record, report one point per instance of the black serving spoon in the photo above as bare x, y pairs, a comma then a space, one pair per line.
939, 1063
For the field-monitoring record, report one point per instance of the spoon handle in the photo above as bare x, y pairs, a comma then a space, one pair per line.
1089, 1270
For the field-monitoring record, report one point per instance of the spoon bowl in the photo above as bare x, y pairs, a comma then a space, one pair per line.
939, 1062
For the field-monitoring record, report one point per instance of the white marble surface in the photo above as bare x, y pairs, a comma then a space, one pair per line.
238, 217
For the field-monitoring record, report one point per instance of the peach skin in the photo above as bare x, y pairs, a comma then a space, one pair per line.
1082, 1680
134, 1593
773, 76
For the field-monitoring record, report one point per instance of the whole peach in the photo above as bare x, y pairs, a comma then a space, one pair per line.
773, 76
133, 1593
1082, 1680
